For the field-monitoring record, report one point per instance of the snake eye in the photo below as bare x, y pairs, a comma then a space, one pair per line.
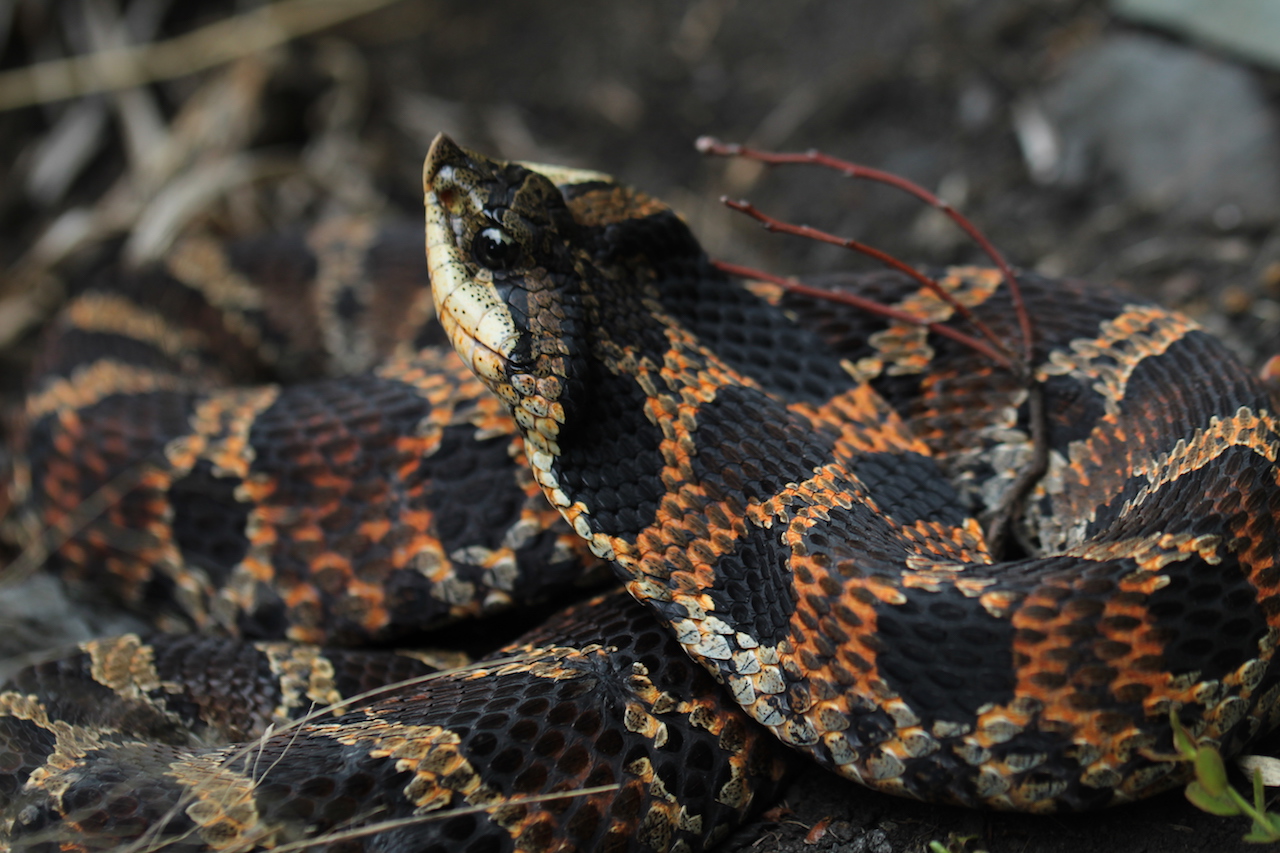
495, 249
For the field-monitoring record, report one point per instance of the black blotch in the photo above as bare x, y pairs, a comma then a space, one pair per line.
857, 541
754, 337
228, 692
331, 448
113, 798
1106, 515
356, 671
945, 654
474, 496
209, 523
1206, 501
847, 330
753, 591
1208, 617
846, 327
748, 445
612, 460
268, 616
76, 348
909, 487
127, 430
900, 391
662, 236
70, 694
1187, 385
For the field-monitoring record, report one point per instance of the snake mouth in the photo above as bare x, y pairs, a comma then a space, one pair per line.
477, 320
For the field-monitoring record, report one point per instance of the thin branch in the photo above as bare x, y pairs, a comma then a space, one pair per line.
710, 145
808, 232
334, 837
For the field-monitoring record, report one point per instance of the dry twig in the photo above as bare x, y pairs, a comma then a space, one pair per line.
215, 44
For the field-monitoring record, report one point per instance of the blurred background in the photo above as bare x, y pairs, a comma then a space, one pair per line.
1134, 143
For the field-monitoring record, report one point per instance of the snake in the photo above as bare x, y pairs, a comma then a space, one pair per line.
790, 491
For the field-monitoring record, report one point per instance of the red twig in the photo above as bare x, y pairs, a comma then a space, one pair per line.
868, 305
709, 145
772, 224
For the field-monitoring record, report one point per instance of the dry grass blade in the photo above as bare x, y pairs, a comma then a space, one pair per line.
152, 839
387, 825
215, 44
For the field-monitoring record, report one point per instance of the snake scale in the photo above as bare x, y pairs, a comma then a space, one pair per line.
792, 489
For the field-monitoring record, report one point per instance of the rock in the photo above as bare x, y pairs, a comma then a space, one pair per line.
1248, 28
1187, 135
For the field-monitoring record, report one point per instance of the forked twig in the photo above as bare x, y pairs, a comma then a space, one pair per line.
712, 146
808, 232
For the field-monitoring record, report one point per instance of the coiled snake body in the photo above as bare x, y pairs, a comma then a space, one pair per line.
793, 490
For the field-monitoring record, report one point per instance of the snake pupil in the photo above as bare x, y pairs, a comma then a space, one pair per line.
495, 249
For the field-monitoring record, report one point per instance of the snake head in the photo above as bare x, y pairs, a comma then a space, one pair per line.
504, 276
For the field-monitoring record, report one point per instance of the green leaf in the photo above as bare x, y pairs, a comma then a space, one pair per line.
1211, 771
1206, 802
1266, 828
1182, 742
1269, 823
1258, 836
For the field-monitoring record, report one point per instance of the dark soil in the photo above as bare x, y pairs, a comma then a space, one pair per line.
924, 88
